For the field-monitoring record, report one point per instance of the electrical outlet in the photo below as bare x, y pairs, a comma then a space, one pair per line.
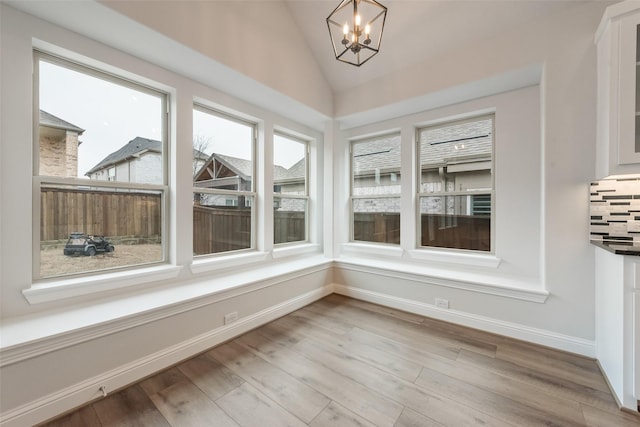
231, 317
442, 303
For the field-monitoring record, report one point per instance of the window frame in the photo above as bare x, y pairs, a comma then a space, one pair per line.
305, 197
38, 181
469, 193
237, 193
352, 197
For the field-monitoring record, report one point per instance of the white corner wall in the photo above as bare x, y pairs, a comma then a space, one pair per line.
559, 166
544, 163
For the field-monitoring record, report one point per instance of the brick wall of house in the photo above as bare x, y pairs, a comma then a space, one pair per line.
59, 156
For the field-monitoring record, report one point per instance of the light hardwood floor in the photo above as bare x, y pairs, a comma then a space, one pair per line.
344, 362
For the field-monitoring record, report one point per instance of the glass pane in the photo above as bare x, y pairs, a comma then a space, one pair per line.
376, 166
456, 156
376, 220
223, 152
289, 169
460, 222
86, 228
221, 223
94, 128
289, 220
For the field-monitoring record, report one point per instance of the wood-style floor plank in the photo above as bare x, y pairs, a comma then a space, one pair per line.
250, 408
499, 406
547, 384
183, 404
410, 418
292, 394
427, 402
341, 363
363, 401
213, 378
130, 407
83, 417
337, 415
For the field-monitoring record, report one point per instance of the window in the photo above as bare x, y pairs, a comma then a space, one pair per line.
375, 189
290, 188
224, 195
100, 170
456, 184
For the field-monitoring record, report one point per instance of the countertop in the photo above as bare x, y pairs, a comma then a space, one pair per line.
618, 248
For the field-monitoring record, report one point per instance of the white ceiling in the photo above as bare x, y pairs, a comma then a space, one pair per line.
415, 31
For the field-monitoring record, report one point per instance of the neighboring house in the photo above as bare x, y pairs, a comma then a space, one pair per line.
232, 173
58, 146
456, 158
140, 161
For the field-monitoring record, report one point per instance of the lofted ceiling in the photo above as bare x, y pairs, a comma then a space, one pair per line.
415, 31
229, 41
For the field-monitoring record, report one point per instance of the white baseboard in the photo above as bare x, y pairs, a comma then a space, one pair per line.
513, 330
88, 390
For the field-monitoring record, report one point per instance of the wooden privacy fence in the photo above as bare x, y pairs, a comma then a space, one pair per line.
457, 231
137, 216
376, 227
109, 213
222, 229
443, 231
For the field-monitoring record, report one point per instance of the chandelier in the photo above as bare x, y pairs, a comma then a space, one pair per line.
355, 28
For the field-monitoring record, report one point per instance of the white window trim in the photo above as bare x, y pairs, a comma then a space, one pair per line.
352, 243
206, 261
439, 253
307, 215
53, 288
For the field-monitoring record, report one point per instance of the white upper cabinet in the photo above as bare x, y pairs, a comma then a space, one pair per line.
618, 136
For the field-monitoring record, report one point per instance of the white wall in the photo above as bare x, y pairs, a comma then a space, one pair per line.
541, 181
555, 256
115, 336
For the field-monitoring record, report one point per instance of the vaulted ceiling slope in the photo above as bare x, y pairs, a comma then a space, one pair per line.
277, 52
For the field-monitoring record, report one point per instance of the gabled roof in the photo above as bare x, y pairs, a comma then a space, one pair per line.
242, 167
456, 143
49, 120
132, 149
450, 144
135, 148
294, 173
377, 154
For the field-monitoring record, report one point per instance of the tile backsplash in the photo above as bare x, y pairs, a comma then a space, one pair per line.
615, 209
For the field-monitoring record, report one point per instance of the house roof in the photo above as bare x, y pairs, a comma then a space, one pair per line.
243, 168
49, 120
382, 153
449, 144
135, 148
456, 143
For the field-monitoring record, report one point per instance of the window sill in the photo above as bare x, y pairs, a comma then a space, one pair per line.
53, 290
451, 257
295, 249
382, 249
215, 263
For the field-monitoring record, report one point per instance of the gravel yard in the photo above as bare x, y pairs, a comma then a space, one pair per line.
54, 263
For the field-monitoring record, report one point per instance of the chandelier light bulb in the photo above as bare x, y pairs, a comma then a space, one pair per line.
358, 19
367, 30
345, 29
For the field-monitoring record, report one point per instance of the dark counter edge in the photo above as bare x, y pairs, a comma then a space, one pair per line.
618, 248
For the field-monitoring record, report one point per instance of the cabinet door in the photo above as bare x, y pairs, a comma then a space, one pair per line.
636, 345
629, 95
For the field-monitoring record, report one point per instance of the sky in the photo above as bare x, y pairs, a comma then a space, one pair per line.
112, 115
